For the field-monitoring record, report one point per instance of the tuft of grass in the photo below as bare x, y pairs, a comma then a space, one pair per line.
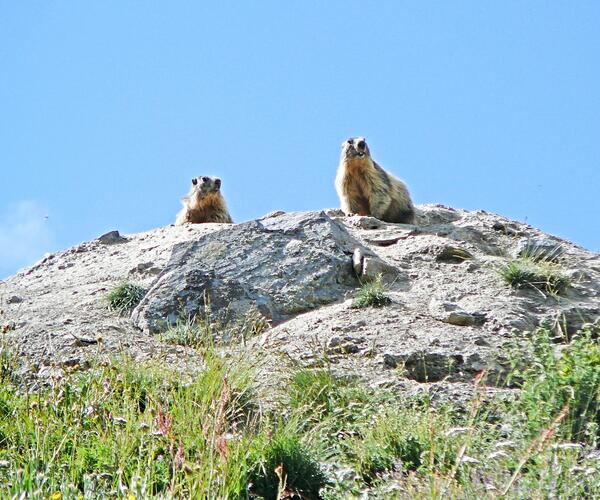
543, 275
201, 332
125, 297
371, 294
188, 332
284, 468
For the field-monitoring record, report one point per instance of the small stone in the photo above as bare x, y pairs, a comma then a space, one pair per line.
14, 299
452, 254
110, 238
274, 213
373, 268
364, 222
451, 313
120, 421
357, 261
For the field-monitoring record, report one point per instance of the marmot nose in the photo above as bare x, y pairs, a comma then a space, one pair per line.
361, 144
218, 183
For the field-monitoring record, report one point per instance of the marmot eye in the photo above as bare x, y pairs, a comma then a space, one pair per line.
349, 141
205, 179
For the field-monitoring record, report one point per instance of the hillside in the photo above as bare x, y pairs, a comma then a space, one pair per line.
458, 293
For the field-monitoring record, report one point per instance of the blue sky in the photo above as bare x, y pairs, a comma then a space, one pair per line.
109, 108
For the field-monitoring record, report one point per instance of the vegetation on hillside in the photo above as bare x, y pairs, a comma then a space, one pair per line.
121, 429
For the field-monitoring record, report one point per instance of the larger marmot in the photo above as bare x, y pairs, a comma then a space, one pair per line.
204, 203
365, 188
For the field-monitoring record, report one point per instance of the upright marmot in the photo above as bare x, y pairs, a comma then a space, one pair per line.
204, 202
365, 188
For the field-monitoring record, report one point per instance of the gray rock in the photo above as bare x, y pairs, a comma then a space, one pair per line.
284, 265
451, 313
14, 299
425, 366
111, 237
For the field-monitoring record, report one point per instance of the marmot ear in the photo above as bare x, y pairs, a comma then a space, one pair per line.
194, 181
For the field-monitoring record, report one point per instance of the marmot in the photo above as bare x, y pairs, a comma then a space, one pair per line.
204, 203
365, 188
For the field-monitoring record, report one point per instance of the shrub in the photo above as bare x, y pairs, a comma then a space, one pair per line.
125, 297
542, 275
283, 466
371, 294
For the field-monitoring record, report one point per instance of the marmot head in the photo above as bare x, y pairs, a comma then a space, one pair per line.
355, 147
206, 184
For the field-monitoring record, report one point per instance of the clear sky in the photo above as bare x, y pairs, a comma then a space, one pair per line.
108, 109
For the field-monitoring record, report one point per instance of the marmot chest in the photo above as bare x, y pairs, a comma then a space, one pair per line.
358, 188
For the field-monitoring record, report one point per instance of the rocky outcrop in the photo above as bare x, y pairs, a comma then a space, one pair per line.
283, 265
451, 314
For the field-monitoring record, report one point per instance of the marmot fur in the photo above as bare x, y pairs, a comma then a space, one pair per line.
204, 203
365, 188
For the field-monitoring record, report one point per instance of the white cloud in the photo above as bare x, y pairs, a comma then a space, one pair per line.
25, 236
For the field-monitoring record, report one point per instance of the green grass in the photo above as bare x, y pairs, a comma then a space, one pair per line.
543, 275
551, 381
124, 429
283, 466
371, 294
125, 297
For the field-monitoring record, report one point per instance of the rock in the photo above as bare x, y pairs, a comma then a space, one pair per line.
428, 215
357, 261
283, 265
14, 299
369, 268
365, 222
452, 254
274, 213
425, 366
343, 345
507, 228
111, 237
147, 268
373, 268
451, 313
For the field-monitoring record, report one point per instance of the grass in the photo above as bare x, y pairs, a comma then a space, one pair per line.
125, 297
199, 332
371, 294
122, 429
546, 276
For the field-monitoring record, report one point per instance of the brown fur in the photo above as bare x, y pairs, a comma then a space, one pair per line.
204, 203
364, 188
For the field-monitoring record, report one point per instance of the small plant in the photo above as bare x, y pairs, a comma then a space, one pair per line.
284, 468
543, 275
125, 297
371, 294
200, 332
252, 323
189, 333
